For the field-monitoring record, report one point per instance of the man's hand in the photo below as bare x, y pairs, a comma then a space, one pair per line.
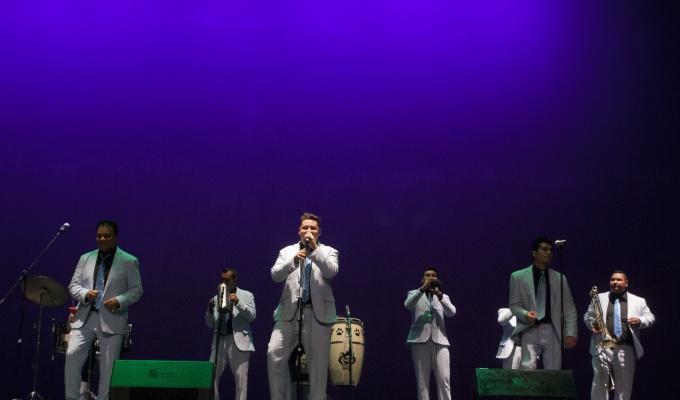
233, 298
569, 342
426, 284
596, 328
91, 295
310, 242
211, 305
301, 255
634, 321
531, 317
438, 293
112, 304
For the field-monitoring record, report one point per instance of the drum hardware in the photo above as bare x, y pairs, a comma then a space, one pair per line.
22, 280
46, 292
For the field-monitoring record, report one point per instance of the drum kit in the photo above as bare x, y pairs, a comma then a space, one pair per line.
47, 292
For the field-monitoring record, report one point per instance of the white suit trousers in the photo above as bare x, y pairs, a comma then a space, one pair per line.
79, 345
431, 357
621, 362
238, 362
541, 341
316, 339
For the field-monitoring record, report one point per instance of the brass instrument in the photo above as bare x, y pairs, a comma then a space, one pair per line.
607, 340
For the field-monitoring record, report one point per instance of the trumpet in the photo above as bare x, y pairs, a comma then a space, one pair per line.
606, 342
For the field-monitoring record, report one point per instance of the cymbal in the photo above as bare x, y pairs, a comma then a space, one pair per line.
55, 294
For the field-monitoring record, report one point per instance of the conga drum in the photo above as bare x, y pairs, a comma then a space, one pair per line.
340, 359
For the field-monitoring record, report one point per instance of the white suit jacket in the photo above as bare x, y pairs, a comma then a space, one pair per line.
508, 322
523, 300
637, 307
124, 283
428, 317
243, 314
324, 268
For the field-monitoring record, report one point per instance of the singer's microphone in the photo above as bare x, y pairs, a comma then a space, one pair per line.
560, 242
347, 313
64, 227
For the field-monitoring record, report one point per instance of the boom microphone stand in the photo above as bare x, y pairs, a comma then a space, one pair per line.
22, 306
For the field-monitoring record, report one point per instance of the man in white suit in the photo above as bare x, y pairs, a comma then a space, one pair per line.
106, 283
508, 349
624, 314
306, 269
231, 325
535, 301
427, 335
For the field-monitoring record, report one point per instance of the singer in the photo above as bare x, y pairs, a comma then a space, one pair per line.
105, 284
535, 301
306, 269
427, 336
232, 311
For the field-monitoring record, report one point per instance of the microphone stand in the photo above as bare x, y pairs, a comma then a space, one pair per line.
22, 305
218, 334
299, 348
348, 321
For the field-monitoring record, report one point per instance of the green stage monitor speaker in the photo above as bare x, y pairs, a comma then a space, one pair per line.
492, 383
166, 380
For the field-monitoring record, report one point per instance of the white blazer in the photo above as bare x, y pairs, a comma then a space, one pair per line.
508, 322
523, 300
637, 307
324, 268
124, 283
243, 314
428, 317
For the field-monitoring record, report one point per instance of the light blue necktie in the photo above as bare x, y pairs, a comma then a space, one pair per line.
305, 280
618, 329
540, 297
99, 285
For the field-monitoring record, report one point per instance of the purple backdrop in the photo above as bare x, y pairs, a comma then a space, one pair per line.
424, 133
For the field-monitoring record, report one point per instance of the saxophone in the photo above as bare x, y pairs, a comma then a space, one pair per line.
606, 342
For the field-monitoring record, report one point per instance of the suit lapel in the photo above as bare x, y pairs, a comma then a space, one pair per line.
114, 267
529, 279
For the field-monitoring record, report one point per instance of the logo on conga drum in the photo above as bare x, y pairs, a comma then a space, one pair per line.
346, 360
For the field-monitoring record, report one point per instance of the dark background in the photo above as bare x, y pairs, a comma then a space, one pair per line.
423, 132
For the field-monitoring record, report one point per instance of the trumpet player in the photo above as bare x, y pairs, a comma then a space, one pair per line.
229, 314
623, 314
427, 336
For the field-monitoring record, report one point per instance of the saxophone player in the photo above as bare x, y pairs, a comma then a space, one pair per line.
623, 315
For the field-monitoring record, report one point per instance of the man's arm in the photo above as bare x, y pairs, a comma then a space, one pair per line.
246, 307
326, 259
570, 314
76, 289
515, 301
283, 266
134, 286
449, 308
412, 299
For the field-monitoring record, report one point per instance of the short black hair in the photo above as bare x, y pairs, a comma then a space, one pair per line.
313, 217
233, 272
620, 271
107, 222
537, 242
431, 269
